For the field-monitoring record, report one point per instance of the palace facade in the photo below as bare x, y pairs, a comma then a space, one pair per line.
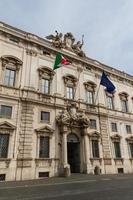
58, 122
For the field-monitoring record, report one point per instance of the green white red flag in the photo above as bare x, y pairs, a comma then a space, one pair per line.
60, 61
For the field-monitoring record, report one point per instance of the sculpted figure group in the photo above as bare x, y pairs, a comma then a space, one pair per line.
67, 42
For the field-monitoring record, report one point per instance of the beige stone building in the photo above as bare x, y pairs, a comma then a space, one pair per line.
55, 122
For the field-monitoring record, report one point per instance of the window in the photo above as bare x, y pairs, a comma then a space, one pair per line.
128, 129
5, 111
9, 79
4, 140
45, 86
70, 92
44, 147
93, 124
90, 98
114, 127
117, 149
131, 149
124, 105
95, 149
110, 102
45, 116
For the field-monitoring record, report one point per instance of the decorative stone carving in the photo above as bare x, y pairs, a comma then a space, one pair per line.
56, 40
78, 48
72, 119
67, 42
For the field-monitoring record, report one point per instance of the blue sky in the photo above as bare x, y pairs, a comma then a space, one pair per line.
107, 25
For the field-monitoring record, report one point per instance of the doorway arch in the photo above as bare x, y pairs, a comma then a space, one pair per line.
73, 153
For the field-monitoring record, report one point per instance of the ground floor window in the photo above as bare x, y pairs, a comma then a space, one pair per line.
44, 147
4, 141
95, 148
117, 149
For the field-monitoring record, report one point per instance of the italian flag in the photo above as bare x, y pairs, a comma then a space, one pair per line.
60, 61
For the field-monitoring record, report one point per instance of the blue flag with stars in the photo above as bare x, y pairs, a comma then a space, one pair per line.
107, 83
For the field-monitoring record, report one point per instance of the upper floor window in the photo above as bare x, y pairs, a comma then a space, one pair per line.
70, 92
128, 129
114, 127
4, 140
90, 98
70, 86
44, 147
110, 104
45, 116
5, 111
9, 77
10, 71
90, 90
45, 79
45, 86
93, 124
124, 101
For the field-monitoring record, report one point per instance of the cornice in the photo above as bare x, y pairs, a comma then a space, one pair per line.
32, 38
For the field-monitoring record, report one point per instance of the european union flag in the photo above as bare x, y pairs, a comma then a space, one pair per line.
107, 83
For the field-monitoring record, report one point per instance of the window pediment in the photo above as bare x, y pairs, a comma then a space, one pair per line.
45, 129
94, 134
70, 79
130, 139
116, 138
90, 85
46, 72
11, 60
123, 95
7, 125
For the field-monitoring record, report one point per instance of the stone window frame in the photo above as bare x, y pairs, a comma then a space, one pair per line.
12, 63
129, 141
70, 81
124, 97
90, 86
116, 126
116, 138
127, 130
95, 135
45, 73
112, 98
8, 128
44, 131
6, 105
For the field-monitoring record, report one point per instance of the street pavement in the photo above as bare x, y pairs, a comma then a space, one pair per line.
78, 186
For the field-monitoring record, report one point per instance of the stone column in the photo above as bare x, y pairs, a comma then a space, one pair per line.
66, 166
87, 163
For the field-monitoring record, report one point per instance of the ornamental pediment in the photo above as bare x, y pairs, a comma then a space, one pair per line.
67, 41
7, 125
44, 129
94, 133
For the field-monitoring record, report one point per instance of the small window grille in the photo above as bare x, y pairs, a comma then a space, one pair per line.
43, 174
2, 177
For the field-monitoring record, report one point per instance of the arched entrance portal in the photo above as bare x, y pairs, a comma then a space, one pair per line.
73, 153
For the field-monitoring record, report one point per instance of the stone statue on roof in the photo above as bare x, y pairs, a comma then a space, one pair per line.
56, 40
